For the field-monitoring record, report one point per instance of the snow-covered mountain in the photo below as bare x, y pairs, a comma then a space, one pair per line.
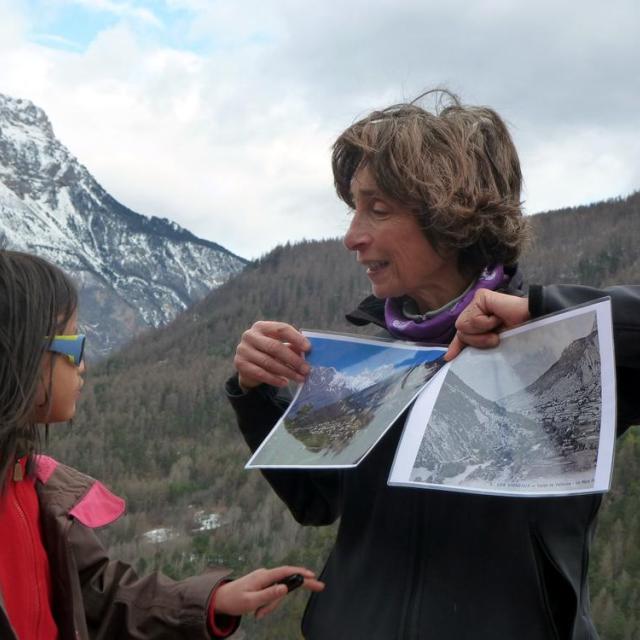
555, 393
133, 271
326, 385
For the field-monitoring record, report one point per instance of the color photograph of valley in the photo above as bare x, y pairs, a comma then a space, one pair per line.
355, 391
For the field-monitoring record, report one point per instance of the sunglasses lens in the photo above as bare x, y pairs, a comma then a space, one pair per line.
71, 347
81, 356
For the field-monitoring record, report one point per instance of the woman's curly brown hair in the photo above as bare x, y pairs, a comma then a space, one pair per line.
457, 166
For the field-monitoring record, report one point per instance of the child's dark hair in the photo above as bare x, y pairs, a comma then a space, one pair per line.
36, 302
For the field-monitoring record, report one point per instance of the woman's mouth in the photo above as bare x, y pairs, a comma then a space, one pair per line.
375, 267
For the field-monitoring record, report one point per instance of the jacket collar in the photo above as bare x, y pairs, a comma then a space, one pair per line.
369, 311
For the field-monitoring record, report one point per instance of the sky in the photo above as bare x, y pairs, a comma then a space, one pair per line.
220, 114
354, 357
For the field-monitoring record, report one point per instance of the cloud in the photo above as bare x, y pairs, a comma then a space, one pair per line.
56, 40
118, 9
224, 118
582, 165
13, 26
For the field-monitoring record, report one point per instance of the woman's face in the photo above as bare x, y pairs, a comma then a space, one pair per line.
57, 403
399, 259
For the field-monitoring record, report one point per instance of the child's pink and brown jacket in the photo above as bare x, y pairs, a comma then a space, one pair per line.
94, 597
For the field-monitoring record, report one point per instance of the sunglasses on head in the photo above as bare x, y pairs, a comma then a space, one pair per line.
71, 347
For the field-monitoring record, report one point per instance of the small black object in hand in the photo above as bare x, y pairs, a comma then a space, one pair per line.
292, 582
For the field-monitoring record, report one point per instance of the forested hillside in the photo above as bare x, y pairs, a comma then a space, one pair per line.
596, 245
154, 423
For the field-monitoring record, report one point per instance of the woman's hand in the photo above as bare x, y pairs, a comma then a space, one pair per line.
488, 312
271, 353
257, 592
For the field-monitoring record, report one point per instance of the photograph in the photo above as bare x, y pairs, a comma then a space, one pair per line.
525, 418
356, 389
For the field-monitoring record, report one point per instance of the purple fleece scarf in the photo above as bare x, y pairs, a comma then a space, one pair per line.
440, 328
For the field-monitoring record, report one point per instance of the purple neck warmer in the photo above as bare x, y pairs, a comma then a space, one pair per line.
440, 328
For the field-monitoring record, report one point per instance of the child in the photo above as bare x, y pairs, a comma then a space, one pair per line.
56, 579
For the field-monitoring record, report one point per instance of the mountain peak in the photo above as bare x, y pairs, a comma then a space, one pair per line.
18, 111
133, 271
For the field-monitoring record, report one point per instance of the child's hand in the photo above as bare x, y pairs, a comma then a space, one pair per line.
257, 592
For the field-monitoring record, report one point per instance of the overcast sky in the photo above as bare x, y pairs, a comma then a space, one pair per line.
220, 114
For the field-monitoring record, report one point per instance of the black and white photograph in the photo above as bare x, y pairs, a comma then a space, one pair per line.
356, 389
535, 416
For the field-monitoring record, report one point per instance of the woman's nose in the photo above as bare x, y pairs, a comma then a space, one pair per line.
82, 367
357, 234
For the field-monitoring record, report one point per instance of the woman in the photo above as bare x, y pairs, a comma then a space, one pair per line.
436, 200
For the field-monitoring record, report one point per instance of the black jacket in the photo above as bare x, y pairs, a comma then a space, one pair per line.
414, 564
